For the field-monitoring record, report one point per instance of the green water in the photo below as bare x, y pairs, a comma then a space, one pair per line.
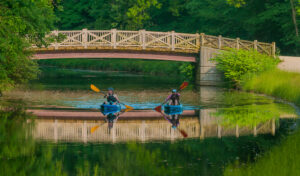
25, 151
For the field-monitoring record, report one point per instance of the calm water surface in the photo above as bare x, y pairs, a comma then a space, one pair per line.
223, 127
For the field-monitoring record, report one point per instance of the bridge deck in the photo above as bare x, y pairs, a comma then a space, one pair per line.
131, 54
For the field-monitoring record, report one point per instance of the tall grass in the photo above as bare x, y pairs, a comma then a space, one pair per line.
281, 160
277, 83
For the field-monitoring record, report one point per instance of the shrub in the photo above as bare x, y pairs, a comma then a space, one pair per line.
237, 63
187, 69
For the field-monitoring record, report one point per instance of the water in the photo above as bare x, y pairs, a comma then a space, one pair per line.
224, 128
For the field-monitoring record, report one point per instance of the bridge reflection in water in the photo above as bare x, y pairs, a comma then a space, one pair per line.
143, 126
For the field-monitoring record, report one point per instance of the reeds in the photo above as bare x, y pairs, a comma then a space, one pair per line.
277, 83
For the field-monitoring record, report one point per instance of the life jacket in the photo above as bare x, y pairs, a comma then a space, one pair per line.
111, 117
174, 97
111, 98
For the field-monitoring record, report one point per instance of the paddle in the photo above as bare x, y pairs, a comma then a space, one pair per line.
127, 107
95, 89
182, 132
181, 87
93, 129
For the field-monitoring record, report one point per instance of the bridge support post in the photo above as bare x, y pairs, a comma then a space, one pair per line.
206, 72
173, 40
84, 37
114, 38
56, 35
143, 38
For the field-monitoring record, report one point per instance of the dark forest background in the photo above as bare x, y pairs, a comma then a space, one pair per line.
264, 20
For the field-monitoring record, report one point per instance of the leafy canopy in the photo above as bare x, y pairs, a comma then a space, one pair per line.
22, 23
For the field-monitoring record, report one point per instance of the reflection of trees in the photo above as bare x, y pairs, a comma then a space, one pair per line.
280, 160
19, 153
251, 115
189, 157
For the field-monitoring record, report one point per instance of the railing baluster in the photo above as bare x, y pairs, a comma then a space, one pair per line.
114, 38
255, 45
220, 42
84, 37
56, 35
173, 40
273, 49
202, 39
143, 38
237, 43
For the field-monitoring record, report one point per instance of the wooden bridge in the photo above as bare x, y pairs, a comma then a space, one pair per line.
144, 44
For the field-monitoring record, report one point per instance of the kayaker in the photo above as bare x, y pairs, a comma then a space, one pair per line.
111, 118
174, 120
173, 99
111, 97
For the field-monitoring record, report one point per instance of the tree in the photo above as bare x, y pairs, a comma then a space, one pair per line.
22, 23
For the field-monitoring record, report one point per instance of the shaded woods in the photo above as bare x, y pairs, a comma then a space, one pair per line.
264, 20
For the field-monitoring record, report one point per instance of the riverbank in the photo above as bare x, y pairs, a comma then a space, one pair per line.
282, 159
277, 83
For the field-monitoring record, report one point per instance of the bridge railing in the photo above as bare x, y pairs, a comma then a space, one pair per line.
149, 40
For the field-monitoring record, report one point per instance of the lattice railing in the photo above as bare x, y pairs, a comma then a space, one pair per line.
149, 40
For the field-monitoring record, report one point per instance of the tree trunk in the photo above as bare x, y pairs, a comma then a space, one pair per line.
294, 16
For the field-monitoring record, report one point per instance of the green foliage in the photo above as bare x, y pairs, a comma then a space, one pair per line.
188, 70
138, 14
104, 14
277, 83
237, 63
236, 3
130, 65
19, 152
263, 20
251, 115
22, 23
281, 160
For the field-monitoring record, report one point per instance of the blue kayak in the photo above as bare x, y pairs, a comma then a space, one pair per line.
173, 109
110, 109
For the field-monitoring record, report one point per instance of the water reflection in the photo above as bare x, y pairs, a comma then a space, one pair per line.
148, 125
142, 142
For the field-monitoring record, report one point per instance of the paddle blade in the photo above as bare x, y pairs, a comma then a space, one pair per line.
128, 107
93, 129
158, 109
183, 133
94, 88
183, 85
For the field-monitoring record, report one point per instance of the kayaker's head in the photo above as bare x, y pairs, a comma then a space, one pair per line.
110, 90
174, 91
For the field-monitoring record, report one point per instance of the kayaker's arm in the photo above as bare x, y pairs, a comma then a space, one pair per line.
167, 99
117, 98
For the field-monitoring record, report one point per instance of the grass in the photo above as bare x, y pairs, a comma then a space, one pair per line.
281, 160
277, 83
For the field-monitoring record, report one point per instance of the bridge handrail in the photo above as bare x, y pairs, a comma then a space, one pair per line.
151, 40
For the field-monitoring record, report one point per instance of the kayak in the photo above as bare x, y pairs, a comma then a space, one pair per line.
110, 109
173, 109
